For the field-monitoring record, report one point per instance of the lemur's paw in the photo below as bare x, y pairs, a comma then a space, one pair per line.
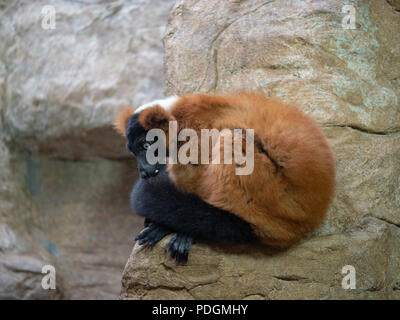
153, 234
179, 247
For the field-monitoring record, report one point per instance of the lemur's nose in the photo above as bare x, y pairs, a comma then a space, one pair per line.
148, 173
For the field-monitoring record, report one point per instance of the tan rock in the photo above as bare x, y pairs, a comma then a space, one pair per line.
395, 4
349, 81
368, 177
296, 51
310, 270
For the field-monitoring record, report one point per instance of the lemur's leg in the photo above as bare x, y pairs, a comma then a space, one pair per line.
170, 210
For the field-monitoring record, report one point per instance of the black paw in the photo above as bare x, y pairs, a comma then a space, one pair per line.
153, 234
179, 247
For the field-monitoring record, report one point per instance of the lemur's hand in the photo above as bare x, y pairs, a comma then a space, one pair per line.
153, 234
179, 247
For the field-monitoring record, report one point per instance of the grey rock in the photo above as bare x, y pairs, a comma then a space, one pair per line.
65, 174
64, 85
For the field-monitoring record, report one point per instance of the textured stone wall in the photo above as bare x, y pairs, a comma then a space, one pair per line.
347, 79
65, 174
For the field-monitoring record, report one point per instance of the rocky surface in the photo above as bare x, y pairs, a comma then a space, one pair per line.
65, 84
311, 270
65, 174
395, 4
349, 80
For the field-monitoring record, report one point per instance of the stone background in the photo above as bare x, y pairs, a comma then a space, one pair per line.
66, 175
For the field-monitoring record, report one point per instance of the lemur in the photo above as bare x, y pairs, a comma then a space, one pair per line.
286, 196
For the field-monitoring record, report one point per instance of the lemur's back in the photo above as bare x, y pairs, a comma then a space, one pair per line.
293, 180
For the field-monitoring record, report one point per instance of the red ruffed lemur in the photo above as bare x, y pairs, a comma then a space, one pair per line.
286, 195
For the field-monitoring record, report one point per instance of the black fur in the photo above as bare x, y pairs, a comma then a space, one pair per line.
136, 135
167, 210
179, 246
158, 200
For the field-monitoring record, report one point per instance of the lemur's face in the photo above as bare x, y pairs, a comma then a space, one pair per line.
134, 124
138, 145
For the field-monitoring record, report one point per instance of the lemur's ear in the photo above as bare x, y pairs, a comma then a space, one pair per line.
121, 119
155, 117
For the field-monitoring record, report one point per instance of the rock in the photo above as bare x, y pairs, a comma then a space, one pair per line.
76, 213
348, 79
65, 174
21, 278
368, 176
64, 85
81, 216
310, 270
395, 4
7, 238
298, 52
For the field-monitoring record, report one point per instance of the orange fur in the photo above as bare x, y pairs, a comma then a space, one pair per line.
155, 117
122, 118
281, 203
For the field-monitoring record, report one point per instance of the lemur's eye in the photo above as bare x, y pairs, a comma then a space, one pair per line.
146, 145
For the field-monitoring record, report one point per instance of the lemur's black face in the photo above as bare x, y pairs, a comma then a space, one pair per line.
138, 145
